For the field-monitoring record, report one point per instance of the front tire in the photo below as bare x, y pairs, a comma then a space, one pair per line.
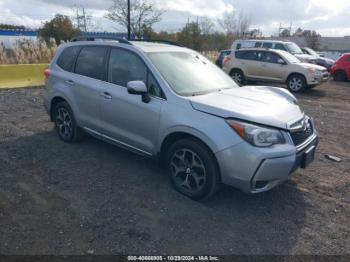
65, 124
339, 76
296, 83
192, 169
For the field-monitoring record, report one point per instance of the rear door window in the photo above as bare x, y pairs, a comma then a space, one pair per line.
280, 47
67, 58
257, 44
267, 45
247, 55
90, 62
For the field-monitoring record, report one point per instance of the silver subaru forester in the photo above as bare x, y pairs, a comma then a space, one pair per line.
171, 103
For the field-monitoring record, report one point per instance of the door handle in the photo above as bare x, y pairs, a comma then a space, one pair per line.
70, 82
106, 95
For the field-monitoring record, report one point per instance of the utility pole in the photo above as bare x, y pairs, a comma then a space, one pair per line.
81, 19
129, 26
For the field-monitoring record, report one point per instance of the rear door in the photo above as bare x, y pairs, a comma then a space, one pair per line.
86, 85
127, 120
248, 61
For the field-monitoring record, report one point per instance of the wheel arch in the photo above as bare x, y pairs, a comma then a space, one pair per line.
296, 73
54, 102
171, 138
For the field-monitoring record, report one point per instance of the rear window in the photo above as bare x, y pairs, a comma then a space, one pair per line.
90, 62
67, 58
267, 45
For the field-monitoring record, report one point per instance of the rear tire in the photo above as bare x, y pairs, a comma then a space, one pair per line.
296, 83
192, 169
238, 76
339, 76
65, 124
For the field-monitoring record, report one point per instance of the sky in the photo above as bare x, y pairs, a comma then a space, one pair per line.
266, 15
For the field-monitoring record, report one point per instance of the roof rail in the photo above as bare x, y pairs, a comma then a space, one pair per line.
94, 38
157, 41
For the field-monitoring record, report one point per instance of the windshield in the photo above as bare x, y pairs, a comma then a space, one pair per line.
294, 48
190, 73
311, 51
291, 58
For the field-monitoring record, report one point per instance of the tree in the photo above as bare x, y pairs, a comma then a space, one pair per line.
60, 28
143, 14
285, 33
207, 25
228, 23
6, 26
190, 36
313, 40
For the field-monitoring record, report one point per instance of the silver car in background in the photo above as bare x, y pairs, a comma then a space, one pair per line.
168, 102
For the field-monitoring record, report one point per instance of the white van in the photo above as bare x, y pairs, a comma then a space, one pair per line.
290, 47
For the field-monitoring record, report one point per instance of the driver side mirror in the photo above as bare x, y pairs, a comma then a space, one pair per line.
281, 61
138, 88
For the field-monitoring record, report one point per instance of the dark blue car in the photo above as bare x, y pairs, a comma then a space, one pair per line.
221, 57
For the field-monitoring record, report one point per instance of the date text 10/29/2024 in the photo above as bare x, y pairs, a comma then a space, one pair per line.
172, 258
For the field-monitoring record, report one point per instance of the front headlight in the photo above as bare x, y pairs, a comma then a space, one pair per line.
312, 71
257, 135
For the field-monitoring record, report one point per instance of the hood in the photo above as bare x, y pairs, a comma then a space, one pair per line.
309, 65
306, 57
265, 105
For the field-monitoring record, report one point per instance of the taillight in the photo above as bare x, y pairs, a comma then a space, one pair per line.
47, 73
226, 59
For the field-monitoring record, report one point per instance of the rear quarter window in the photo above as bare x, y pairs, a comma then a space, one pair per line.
67, 58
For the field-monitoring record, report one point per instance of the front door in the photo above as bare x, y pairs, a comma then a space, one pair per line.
270, 69
127, 120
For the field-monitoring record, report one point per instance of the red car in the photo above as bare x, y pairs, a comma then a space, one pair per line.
341, 69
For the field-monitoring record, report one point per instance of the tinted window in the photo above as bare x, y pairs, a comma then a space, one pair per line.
257, 44
239, 46
124, 67
247, 55
90, 62
270, 57
267, 45
67, 58
280, 47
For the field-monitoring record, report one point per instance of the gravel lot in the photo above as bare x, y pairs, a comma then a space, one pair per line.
57, 198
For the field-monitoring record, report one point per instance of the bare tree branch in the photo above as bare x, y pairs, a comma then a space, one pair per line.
143, 14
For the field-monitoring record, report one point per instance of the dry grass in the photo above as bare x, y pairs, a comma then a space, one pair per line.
28, 52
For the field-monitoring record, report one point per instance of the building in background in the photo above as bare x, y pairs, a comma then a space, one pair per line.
9, 37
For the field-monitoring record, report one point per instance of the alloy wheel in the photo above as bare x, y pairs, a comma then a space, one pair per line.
295, 84
64, 123
237, 77
188, 170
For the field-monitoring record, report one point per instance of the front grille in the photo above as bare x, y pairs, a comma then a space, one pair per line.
300, 136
